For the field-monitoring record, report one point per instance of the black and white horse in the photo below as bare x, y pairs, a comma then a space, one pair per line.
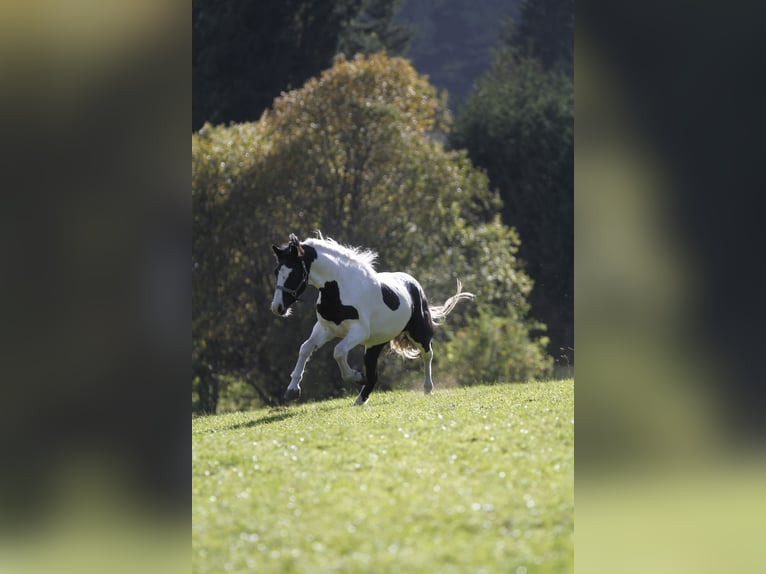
357, 305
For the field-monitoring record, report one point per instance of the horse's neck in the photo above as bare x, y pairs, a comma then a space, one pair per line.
327, 268
323, 269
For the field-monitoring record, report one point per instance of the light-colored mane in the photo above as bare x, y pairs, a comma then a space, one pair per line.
363, 257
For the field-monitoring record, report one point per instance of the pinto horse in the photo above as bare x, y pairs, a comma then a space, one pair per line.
357, 305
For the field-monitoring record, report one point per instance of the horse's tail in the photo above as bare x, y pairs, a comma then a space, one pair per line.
439, 312
404, 346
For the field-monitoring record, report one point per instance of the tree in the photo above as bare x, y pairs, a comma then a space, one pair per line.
453, 40
544, 30
350, 154
374, 28
518, 124
244, 53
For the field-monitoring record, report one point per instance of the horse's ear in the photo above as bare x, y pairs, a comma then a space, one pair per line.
275, 249
295, 242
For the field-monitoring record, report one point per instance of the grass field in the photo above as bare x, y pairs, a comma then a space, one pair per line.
475, 479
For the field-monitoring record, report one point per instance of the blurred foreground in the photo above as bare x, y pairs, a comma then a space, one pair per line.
93, 521
669, 465
95, 312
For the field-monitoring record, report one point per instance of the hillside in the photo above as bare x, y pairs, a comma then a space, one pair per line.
465, 479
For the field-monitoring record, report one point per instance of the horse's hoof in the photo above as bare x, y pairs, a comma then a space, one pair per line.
292, 394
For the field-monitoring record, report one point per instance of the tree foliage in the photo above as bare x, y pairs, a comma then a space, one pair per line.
453, 39
544, 30
375, 28
349, 154
245, 53
518, 124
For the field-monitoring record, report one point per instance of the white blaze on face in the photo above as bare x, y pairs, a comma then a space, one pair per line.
278, 303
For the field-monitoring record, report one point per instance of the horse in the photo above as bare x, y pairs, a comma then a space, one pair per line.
358, 305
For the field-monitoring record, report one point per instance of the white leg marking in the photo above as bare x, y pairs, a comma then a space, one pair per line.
319, 336
428, 384
356, 335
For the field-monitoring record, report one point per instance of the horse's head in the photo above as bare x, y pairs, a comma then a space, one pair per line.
292, 273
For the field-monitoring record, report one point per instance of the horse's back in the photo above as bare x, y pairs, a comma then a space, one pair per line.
401, 284
390, 306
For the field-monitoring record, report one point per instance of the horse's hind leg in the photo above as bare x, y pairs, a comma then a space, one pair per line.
428, 384
371, 355
421, 331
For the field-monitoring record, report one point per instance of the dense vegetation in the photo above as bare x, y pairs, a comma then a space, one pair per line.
452, 39
518, 124
244, 53
350, 154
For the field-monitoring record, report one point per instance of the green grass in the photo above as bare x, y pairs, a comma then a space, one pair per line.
464, 480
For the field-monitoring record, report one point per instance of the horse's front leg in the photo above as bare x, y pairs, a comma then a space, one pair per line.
319, 336
355, 336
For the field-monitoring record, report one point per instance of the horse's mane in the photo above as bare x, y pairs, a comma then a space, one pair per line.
364, 257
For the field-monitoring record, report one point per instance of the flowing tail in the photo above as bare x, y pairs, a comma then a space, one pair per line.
439, 312
404, 346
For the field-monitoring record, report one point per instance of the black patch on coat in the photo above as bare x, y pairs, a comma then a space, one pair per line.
330, 306
390, 298
309, 255
420, 326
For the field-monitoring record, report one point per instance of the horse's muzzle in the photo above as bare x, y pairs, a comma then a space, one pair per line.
278, 309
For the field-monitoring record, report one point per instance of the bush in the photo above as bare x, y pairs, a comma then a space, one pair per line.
496, 348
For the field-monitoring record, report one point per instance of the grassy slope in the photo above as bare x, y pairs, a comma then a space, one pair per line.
462, 480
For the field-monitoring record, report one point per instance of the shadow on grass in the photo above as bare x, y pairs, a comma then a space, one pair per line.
324, 406
270, 418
